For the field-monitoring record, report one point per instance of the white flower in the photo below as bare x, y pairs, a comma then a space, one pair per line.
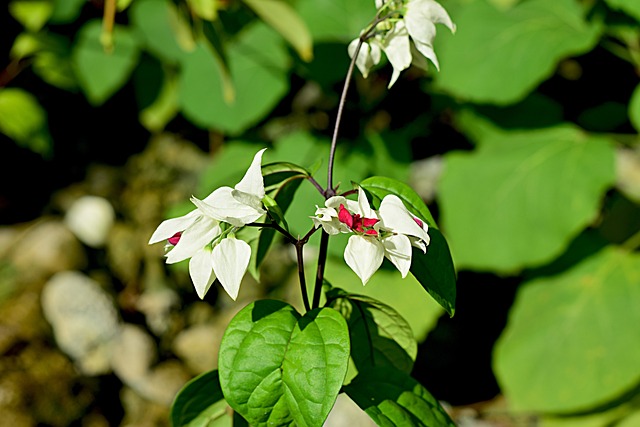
406, 37
389, 233
206, 234
239, 205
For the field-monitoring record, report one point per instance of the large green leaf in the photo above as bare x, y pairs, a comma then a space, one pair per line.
24, 120
392, 398
336, 20
380, 336
198, 399
161, 28
498, 56
278, 368
65, 11
435, 270
572, 341
283, 18
102, 73
258, 62
521, 197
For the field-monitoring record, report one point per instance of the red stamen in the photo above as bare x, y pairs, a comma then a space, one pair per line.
370, 222
371, 232
418, 221
175, 238
345, 216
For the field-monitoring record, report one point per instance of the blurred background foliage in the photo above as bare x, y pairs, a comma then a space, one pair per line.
524, 145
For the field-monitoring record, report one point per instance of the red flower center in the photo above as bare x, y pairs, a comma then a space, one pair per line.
175, 238
357, 223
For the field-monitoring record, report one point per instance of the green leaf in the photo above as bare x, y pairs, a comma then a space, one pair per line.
285, 20
634, 108
258, 63
631, 7
519, 199
162, 29
164, 108
435, 271
278, 368
102, 73
380, 336
498, 56
392, 398
572, 340
65, 11
32, 14
205, 9
24, 120
199, 395
336, 20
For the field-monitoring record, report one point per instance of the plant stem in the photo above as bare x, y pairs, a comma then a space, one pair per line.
303, 282
322, 261
334, 140
276, 227
316, 184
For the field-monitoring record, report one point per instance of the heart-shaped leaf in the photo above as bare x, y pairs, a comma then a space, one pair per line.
280, 368
100, 72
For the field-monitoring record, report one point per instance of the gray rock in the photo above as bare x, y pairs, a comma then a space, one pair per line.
83, 318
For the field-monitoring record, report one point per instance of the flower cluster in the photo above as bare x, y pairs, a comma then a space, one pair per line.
406, 36
389, 232
207, 234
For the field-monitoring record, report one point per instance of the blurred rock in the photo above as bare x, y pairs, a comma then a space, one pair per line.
157, 306
43, 248
91, 218
133, 352
198, 347
164, 382
83, 319
124, 252
628, 173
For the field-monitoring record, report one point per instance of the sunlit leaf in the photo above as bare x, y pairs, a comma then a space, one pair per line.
336, 20
570, 343
205, 9
160, 26
498, 56
24, 120
519, 199
284, 19
32, 14
280, 368
258, 63
102, 73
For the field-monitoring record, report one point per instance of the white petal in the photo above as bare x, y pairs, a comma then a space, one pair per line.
335, 202
201, 271
398, 50
397, 248
194, 238
364, 255
421, 17
397, 218
172, 226
230, 261
222, 206
252, 181
368, 56
364, 208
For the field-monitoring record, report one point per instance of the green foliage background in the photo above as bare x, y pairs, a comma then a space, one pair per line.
534, 116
